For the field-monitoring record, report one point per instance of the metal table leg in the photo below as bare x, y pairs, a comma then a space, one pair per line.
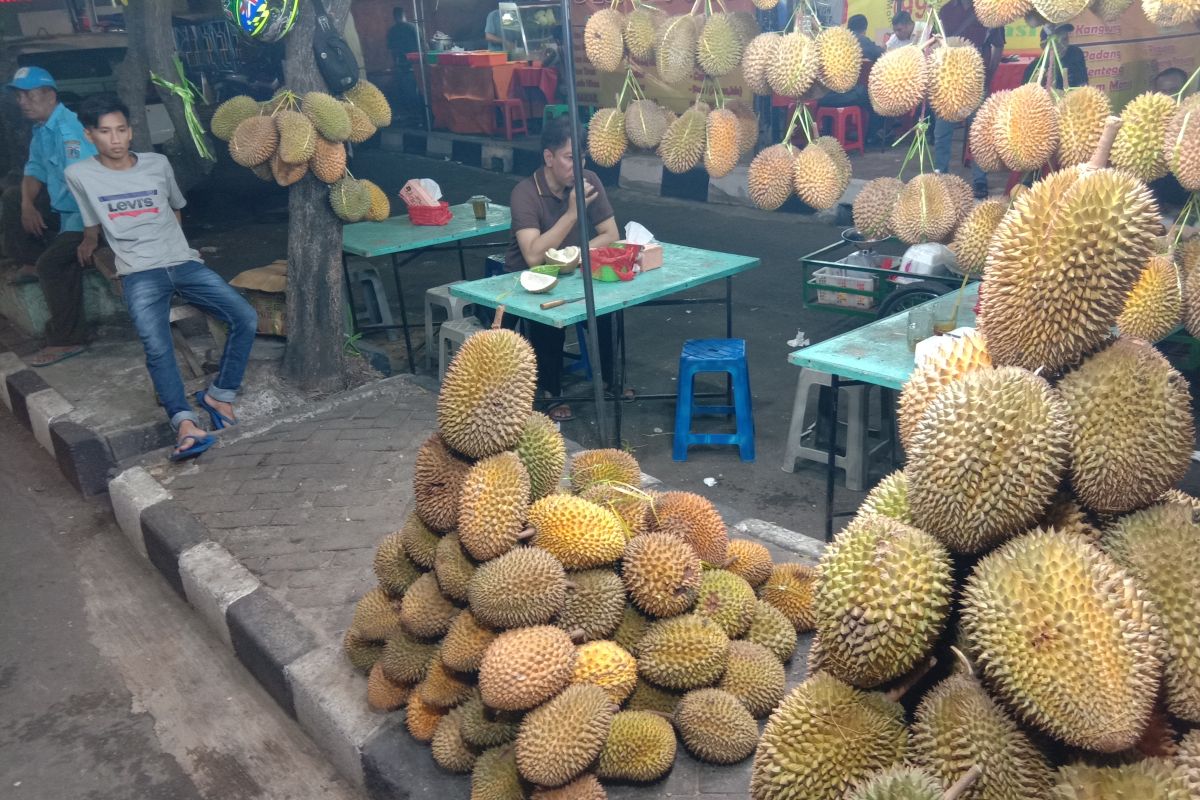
829, 462
462, 265
729, 335
619, 372
408, 350
349, 294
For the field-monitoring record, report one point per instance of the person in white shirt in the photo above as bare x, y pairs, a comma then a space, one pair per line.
904, 31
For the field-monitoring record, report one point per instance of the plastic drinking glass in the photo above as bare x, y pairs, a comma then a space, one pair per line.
920, 325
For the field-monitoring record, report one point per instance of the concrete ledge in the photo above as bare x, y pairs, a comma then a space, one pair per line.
213, 580
9, 363
130, 493
43, 407
21, 385
169, 530
396, 765
83, 457
266, 637
807, 548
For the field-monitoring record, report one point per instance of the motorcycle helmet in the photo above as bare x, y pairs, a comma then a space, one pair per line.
263, 20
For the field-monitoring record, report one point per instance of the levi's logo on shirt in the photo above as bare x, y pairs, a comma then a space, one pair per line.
131, 204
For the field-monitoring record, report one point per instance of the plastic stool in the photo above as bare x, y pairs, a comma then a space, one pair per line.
858, 453
451, 335
714, 355
377, 311
840, 117
580, 362
455, 308
512, 109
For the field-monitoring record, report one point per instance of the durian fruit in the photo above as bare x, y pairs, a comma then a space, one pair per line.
604, 40
586, 787
1063, 260
495, 776
839, 56
577, 532
1188, 760
1109, 10
747, 120
823, 739
381, 207
526, 586
543, 451
484, 727
1154, 306
420, 543
987, 457
1065, 638
769, 178
361, 651
955, 81
393, 568
683, 652
640, 747
631, 628
925, 210
816, 178
384, 694
442, 687
1187, 255
422, 719
525, 667
973, 236
872, 207
882, 600
595, 602
606, 136
327, 115
750, 560
607, 665
605, 466
438, 475
487, 394
755, 676
641, 28
1132, 431
965, 355
1082, 112
982, 138
682, 144
719, 48
1059, 11
465, 643
1191, 304
957, 725
695, 520
1159, 547
889, 498
629, 504
720, 141
726, 599
648, 697
1170, 13
675, 49
1181, 144
230, 114
1026, 128
745, 23
283, 98
1138, 147
297, 137
367, 97
253, 141
794, 65
405, 659
328, 163
350, 199
560, 739
493, 504
900, 783
998, 13
662, 574
960, 193
790, 589
898, 82
361, 128
757, 60
644, 123
449, 750
375, 615
424, 612
773, 630
715, 726
1151, 779
765, 5
453, 568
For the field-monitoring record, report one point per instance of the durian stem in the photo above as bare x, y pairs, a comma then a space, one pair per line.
1184, 88
578, 635
911, 679
499, 317
1191, 207
721, 3
1104, 146
963, 659
962, 784
695, 8
937, 21
529, 532
1062, 74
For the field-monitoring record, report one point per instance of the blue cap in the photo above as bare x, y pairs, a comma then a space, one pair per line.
32, 78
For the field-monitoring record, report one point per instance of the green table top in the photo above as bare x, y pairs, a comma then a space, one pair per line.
683, 268
398, 235
878, 353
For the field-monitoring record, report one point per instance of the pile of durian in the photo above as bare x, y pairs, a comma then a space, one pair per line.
1164, 13
545, 635
289, 136
1030, 577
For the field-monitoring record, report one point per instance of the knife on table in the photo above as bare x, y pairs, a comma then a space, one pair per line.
556, 303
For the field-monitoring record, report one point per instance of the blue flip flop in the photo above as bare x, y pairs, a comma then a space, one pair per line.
219, 420
202, 443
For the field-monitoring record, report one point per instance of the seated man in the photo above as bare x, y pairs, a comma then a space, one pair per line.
904, 31
134, 198
544, 216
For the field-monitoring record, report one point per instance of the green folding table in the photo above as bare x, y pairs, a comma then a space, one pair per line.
396, 237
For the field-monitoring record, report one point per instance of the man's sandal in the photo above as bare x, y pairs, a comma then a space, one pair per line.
200, 443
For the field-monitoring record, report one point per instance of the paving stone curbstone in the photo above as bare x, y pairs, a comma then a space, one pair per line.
169, 530
131, 492
9, 363
266, 637
809, 549
43, 408
19, 386
213, 580
83, 457
396, 765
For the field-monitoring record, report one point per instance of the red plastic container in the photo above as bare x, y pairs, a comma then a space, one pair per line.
430, 215
485, 58
621, 259
454, 59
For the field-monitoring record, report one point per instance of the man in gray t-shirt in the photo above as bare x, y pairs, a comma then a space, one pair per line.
134, 199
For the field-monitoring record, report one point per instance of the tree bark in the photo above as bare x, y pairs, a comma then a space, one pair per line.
314, 357
133, 73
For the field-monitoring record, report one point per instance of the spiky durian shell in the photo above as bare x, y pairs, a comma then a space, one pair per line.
898, 82
769, 178
1138, 148
254, 141
998, 13
747, 120
606, 137
960, 193
1026, 128
645, 124
925, 211
982, 137
720, 143
840, 58
956, 82
719, 48
757, 60
973, 237
794, 66
286, 174
1081, 115
368, 97
682, 145
328, 115
816, 177
1181, 144
604, 40
328, 163
965, 355
1171, 13
1109, 10
873, 206
1154, 307
230, 113
350, 199
1059, 11
641, 28
675, 49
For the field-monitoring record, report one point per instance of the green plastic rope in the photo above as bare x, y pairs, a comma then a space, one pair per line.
188, 93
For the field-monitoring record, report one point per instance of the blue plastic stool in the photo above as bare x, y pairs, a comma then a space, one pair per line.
580, 362
714, 355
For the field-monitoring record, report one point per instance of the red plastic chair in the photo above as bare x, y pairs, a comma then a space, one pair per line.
512, 110
842, 119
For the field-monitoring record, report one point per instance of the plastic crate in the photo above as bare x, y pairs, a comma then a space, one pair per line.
456, 59
844, 279
486, 58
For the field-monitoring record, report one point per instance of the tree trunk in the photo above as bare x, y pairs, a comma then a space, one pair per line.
314, 357
133, 73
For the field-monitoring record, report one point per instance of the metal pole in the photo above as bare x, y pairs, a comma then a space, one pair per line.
585, 264
418, 12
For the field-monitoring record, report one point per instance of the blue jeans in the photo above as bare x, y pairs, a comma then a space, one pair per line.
148, 298
943, 139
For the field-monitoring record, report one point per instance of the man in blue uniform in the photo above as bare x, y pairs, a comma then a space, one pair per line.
58, 141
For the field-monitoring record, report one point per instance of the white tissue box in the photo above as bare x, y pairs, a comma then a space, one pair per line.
651, 256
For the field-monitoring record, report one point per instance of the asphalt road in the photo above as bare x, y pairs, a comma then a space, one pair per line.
110, 686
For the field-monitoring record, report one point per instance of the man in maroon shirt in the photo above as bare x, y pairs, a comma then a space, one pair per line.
545, 216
